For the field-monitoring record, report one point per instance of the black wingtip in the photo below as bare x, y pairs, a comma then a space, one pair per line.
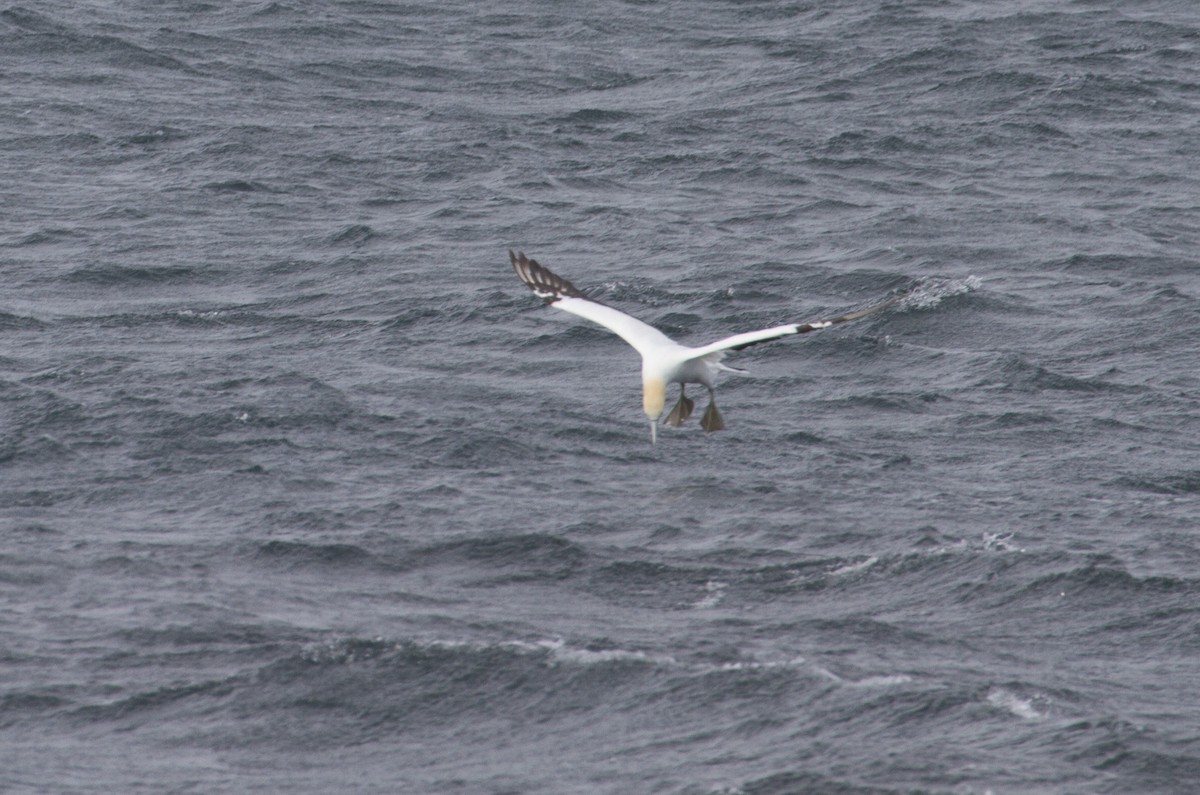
541, 280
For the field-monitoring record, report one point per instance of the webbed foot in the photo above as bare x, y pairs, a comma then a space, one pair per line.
681, 411
712, 421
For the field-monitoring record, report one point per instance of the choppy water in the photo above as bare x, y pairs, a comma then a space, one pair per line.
302, 491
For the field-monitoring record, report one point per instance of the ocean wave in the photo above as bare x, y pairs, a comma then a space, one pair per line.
933, 290
529, 556
11, 322
308, 495
355, 235
119, 276
808, 783
1019, 373
1182, 483
1023, 706
297, 554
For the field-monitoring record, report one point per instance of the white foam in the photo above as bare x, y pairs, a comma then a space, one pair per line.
932, 291
886, 680
560, 652
882, 680
850, 568
991, 542
828, 674
716, 592
1002, 698
557, 652
994, 542
212, 314
756, 665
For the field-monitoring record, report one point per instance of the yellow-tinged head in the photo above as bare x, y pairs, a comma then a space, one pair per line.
654, 397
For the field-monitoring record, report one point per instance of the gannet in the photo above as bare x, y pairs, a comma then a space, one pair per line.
665, 361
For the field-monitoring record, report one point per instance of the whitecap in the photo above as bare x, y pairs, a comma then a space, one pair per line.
851, 568
1002, 698
560, 652
883, 680
995, 542
716, 592
933, 290
759, 665
879, 680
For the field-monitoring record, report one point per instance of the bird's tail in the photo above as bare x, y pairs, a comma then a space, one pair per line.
715, 358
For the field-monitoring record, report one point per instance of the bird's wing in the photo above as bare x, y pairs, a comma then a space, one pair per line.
561, 294
745, 340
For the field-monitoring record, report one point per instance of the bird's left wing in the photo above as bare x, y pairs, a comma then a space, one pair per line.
561, 294
745, 340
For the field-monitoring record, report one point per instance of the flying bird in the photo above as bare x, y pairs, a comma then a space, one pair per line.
665, 361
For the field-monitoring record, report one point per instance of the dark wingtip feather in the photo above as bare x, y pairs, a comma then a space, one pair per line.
541, 280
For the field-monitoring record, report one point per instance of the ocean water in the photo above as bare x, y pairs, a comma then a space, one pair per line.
302, 491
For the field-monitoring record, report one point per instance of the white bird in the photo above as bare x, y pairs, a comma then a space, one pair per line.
665, 361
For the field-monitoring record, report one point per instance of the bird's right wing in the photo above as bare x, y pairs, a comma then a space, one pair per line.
561, 294
746, 339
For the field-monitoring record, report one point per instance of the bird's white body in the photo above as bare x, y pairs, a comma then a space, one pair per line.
664, 361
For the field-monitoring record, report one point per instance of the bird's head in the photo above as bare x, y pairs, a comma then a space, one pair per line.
654, 397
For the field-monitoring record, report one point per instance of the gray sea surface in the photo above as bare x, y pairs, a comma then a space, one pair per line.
302, 491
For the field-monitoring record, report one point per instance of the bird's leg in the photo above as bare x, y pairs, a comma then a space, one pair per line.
681, 411
711, 421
